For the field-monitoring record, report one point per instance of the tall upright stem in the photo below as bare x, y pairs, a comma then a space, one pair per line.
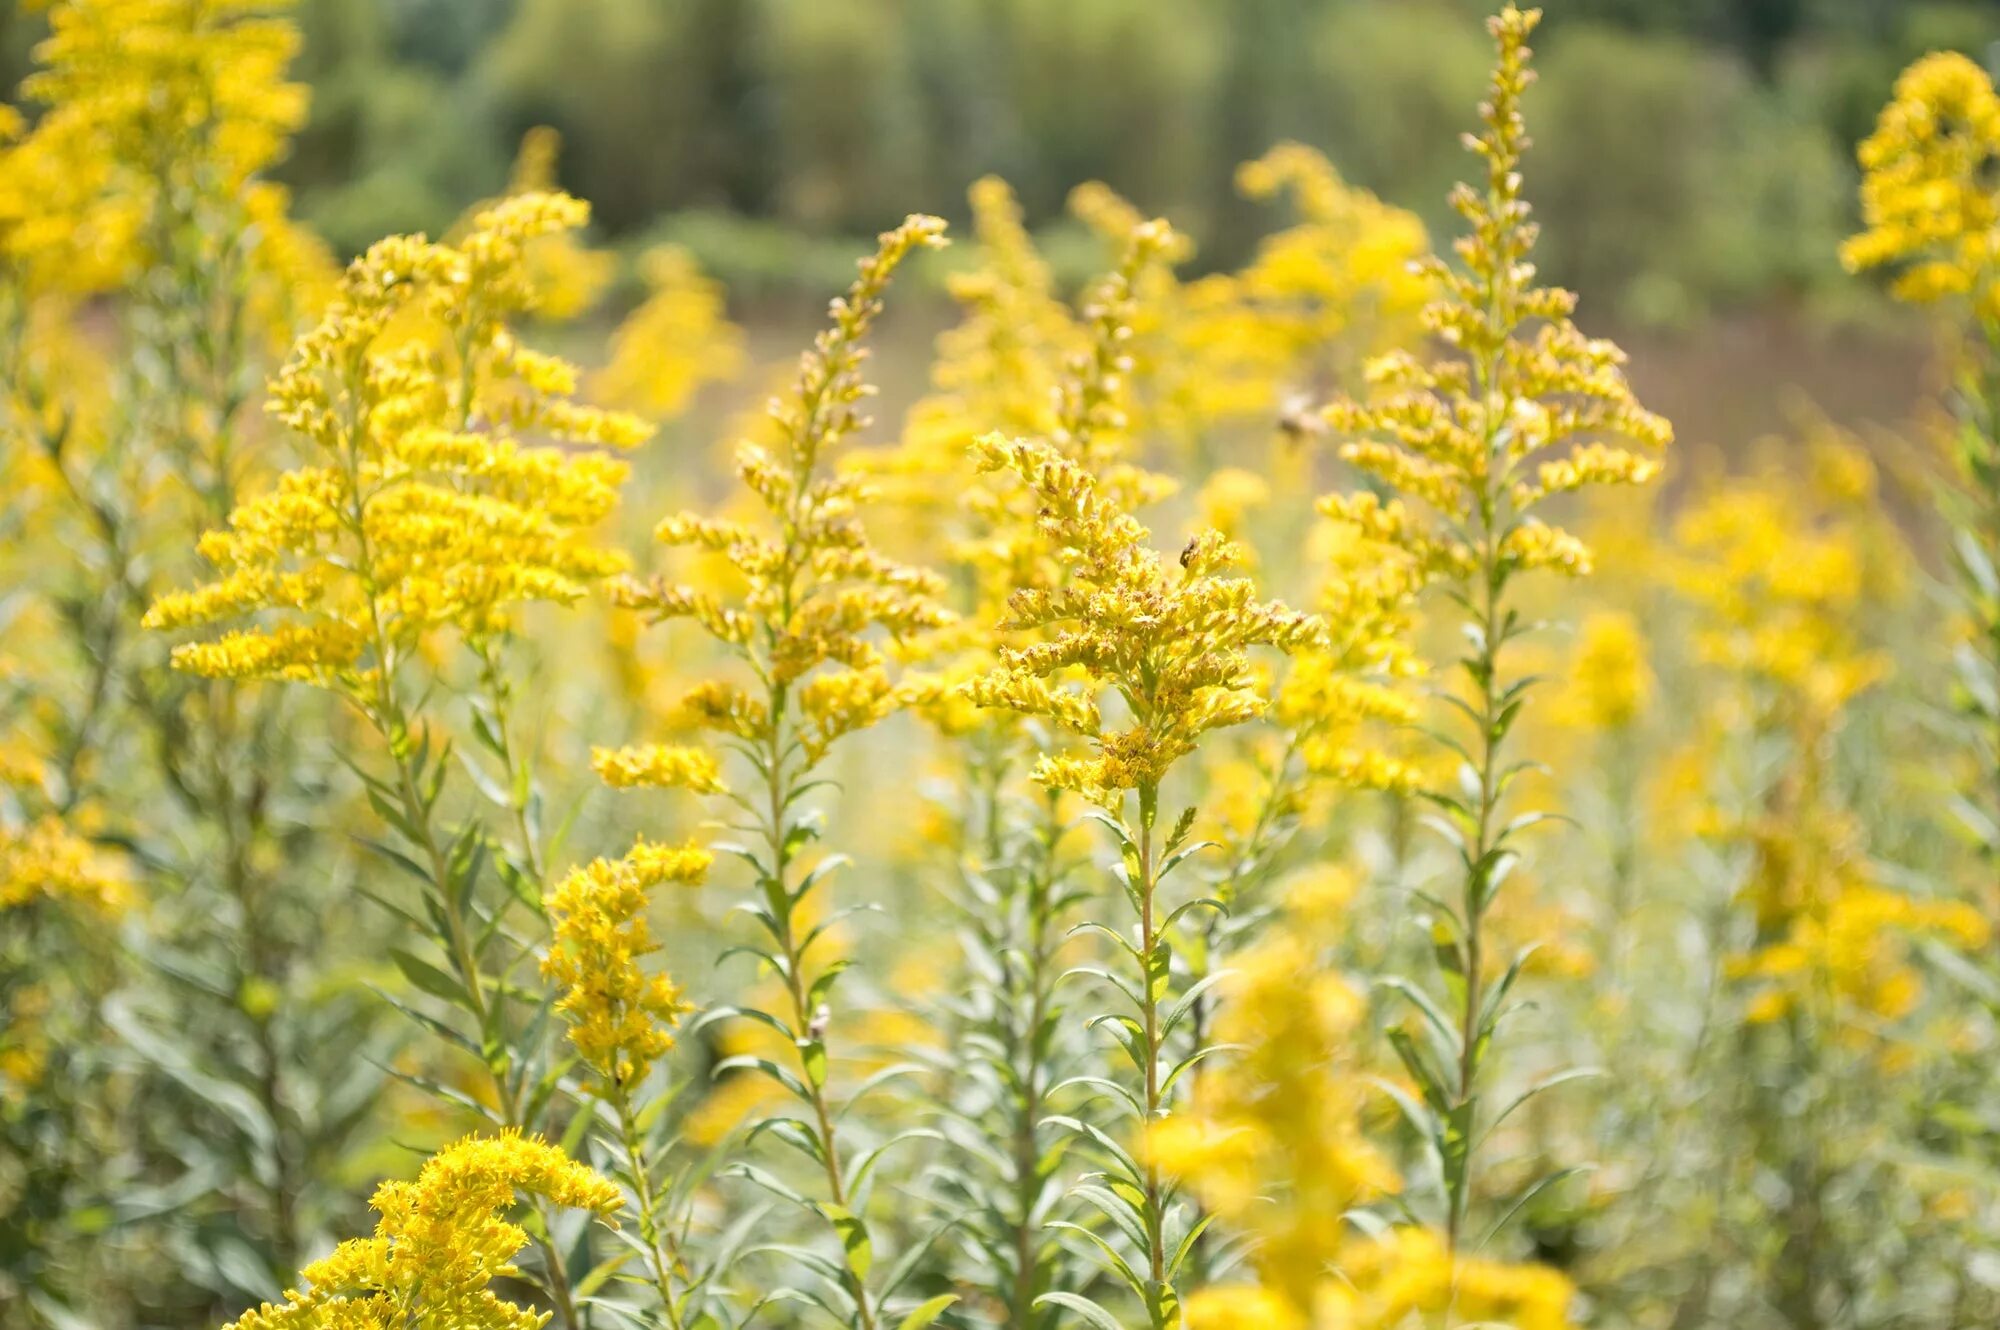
806, 1026
1158, 1292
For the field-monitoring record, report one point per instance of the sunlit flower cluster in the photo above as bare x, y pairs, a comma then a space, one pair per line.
1173, 648
620, 1016
1928, 193
814, 587
440, 1243
420, 510
1525, 408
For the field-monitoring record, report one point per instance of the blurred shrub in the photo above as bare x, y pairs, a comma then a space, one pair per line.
1674, 134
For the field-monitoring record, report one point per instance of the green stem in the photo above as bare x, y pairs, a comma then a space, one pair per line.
806, 1027
1159, 1293
642, 1185
1029, 1278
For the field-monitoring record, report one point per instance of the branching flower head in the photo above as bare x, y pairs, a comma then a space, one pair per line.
440, 1243
621, 1017
1349, 266
161, 111
1528, 408
815, 590
1174, 648
421, 511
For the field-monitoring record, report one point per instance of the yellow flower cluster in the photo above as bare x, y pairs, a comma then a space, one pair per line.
676, 340
1350, 267
620, 1017
1928, 193
1340, 697
45, 860
1783, 566
1525, 408
1003, 364
421, 512
566, 275
814, 587
154, 107
1199, 354
1174, 649
1285, 1109
1850, 942
1611, 680
440, 1243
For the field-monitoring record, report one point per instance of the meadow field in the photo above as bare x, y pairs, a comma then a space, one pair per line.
1057, 768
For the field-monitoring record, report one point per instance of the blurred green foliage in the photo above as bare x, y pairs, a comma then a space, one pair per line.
1679, 133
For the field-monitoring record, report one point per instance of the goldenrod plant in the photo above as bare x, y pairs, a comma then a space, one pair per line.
814, 592
1932, 211
945, 882
1472, 447
418, 522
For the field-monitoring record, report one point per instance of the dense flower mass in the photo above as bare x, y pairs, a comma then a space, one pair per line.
1525, 408
620, 1016
1173, 648
1928, 194
1184, 960
440, 1242
420, 511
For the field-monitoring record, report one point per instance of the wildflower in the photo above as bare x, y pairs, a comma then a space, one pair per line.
45, 860
1927, 192
440, 1242
1471, 445
419, 514
813, 595
620, 1017
1348, 270
1611, 677
815, 587
1175, 648
567, 278
676, 340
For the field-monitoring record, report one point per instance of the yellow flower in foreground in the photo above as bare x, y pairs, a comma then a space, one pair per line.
440, 1243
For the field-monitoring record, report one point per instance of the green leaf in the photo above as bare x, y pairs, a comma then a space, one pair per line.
1082, 1306
854, 1241
927, 1312
422, 974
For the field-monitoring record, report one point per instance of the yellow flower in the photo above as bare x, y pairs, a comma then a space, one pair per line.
620, 1017
1927, 189
1175, 649
658, 765
1347, 271
440, 1243
1611, 681
678, 339
814, 589
418, 513
1524, 407
45, 860
566, 276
